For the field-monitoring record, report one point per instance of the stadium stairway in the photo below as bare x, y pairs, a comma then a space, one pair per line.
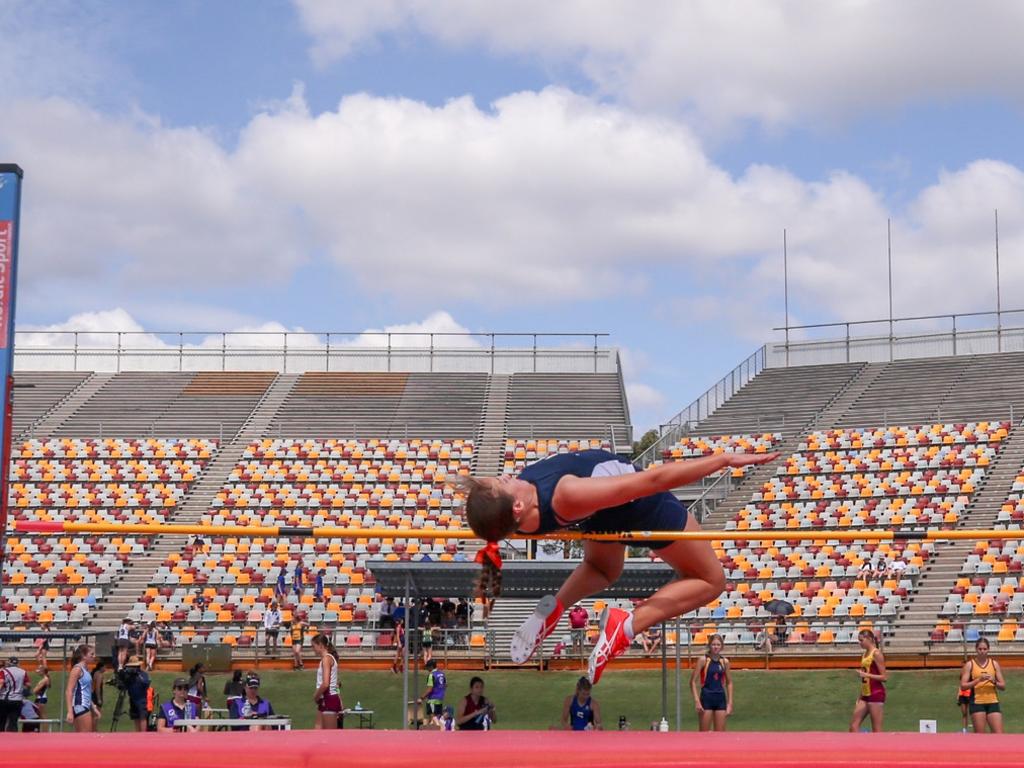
50, 421
139, 572
493, 429
840, 401
940, 574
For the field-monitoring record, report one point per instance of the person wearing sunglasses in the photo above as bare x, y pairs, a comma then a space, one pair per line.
178, 708
252, 707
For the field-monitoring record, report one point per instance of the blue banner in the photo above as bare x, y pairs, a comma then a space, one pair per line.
10, 226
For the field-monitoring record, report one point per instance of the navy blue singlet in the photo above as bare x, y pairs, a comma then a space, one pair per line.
658, 512
580, 715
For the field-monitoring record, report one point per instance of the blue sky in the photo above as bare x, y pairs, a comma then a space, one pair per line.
537, 166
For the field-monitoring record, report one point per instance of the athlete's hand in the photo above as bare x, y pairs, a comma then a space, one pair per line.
861, 674
70, 718
700, 708
737, 460
728, 709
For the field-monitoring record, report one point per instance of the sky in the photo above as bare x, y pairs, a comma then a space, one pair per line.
615, 166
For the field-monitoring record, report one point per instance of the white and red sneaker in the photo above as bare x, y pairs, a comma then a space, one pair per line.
534, 630
610, 643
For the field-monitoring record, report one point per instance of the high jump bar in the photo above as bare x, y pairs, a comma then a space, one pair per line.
341, 532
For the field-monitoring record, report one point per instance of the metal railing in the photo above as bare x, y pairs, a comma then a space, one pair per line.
902, 337
300, 351
706, 404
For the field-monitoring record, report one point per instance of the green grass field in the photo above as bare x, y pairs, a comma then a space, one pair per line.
765, 701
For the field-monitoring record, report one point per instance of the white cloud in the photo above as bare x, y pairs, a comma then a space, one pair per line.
438, 328
770, 60
645, 397
544, 197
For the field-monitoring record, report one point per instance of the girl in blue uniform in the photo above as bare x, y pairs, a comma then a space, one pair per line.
82, 712
580, 712
714, 696
598, 492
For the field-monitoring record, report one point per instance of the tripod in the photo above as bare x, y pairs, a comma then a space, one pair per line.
118, 708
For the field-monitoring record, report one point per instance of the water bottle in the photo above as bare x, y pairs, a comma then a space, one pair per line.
623, 724
358, 706
663, 726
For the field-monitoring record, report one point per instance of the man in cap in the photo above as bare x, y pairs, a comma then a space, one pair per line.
178, 708
13, 680
136, 685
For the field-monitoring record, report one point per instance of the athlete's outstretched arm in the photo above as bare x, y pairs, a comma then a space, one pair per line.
579, 497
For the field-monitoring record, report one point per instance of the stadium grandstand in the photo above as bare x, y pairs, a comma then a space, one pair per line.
894, 435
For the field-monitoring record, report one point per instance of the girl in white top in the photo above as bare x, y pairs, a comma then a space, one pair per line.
82, 712
327, 696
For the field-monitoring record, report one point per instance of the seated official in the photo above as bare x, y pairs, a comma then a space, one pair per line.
178, 708
252, 707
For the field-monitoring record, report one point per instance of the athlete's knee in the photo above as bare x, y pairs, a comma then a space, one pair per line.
715, 579
609, 571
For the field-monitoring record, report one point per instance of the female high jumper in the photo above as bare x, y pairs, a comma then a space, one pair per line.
599, 492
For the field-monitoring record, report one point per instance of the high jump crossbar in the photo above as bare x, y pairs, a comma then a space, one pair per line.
341, 532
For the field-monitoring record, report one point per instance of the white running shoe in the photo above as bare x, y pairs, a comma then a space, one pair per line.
534, 630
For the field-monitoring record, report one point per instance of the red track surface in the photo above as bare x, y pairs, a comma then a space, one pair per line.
505, 749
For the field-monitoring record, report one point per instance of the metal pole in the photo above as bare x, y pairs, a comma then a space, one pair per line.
888, 233
999, 303
405, 664
415, 633
679, 677
785, 288
664, 673
181, 351
328, 367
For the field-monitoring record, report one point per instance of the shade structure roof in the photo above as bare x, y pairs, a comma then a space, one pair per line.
529, 579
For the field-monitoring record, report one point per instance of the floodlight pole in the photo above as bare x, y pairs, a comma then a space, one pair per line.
785, 288
999, 303
888, 233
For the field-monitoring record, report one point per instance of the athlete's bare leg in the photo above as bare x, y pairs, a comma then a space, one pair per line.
701, 581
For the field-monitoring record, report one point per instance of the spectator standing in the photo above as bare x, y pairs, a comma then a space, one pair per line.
137, 689
13, 681
328, 693
151, 642
197, 687
123, 641
41, 690
711, 685
43, 644
579, 618
234, 690
318, 586
298, 635
82, 712
298, 585
387, 611
983, 676
281, 590
271, 627
427, 641
99, 678
438, 685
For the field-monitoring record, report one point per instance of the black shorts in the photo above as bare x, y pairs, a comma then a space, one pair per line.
961, 700
660, 512
988, 709
124, 643
434, 708
137, 709
713, 701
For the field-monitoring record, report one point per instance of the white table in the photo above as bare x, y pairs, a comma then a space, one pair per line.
277, 723
365, 716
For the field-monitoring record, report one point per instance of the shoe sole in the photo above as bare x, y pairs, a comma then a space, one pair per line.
592, 661
524, 642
